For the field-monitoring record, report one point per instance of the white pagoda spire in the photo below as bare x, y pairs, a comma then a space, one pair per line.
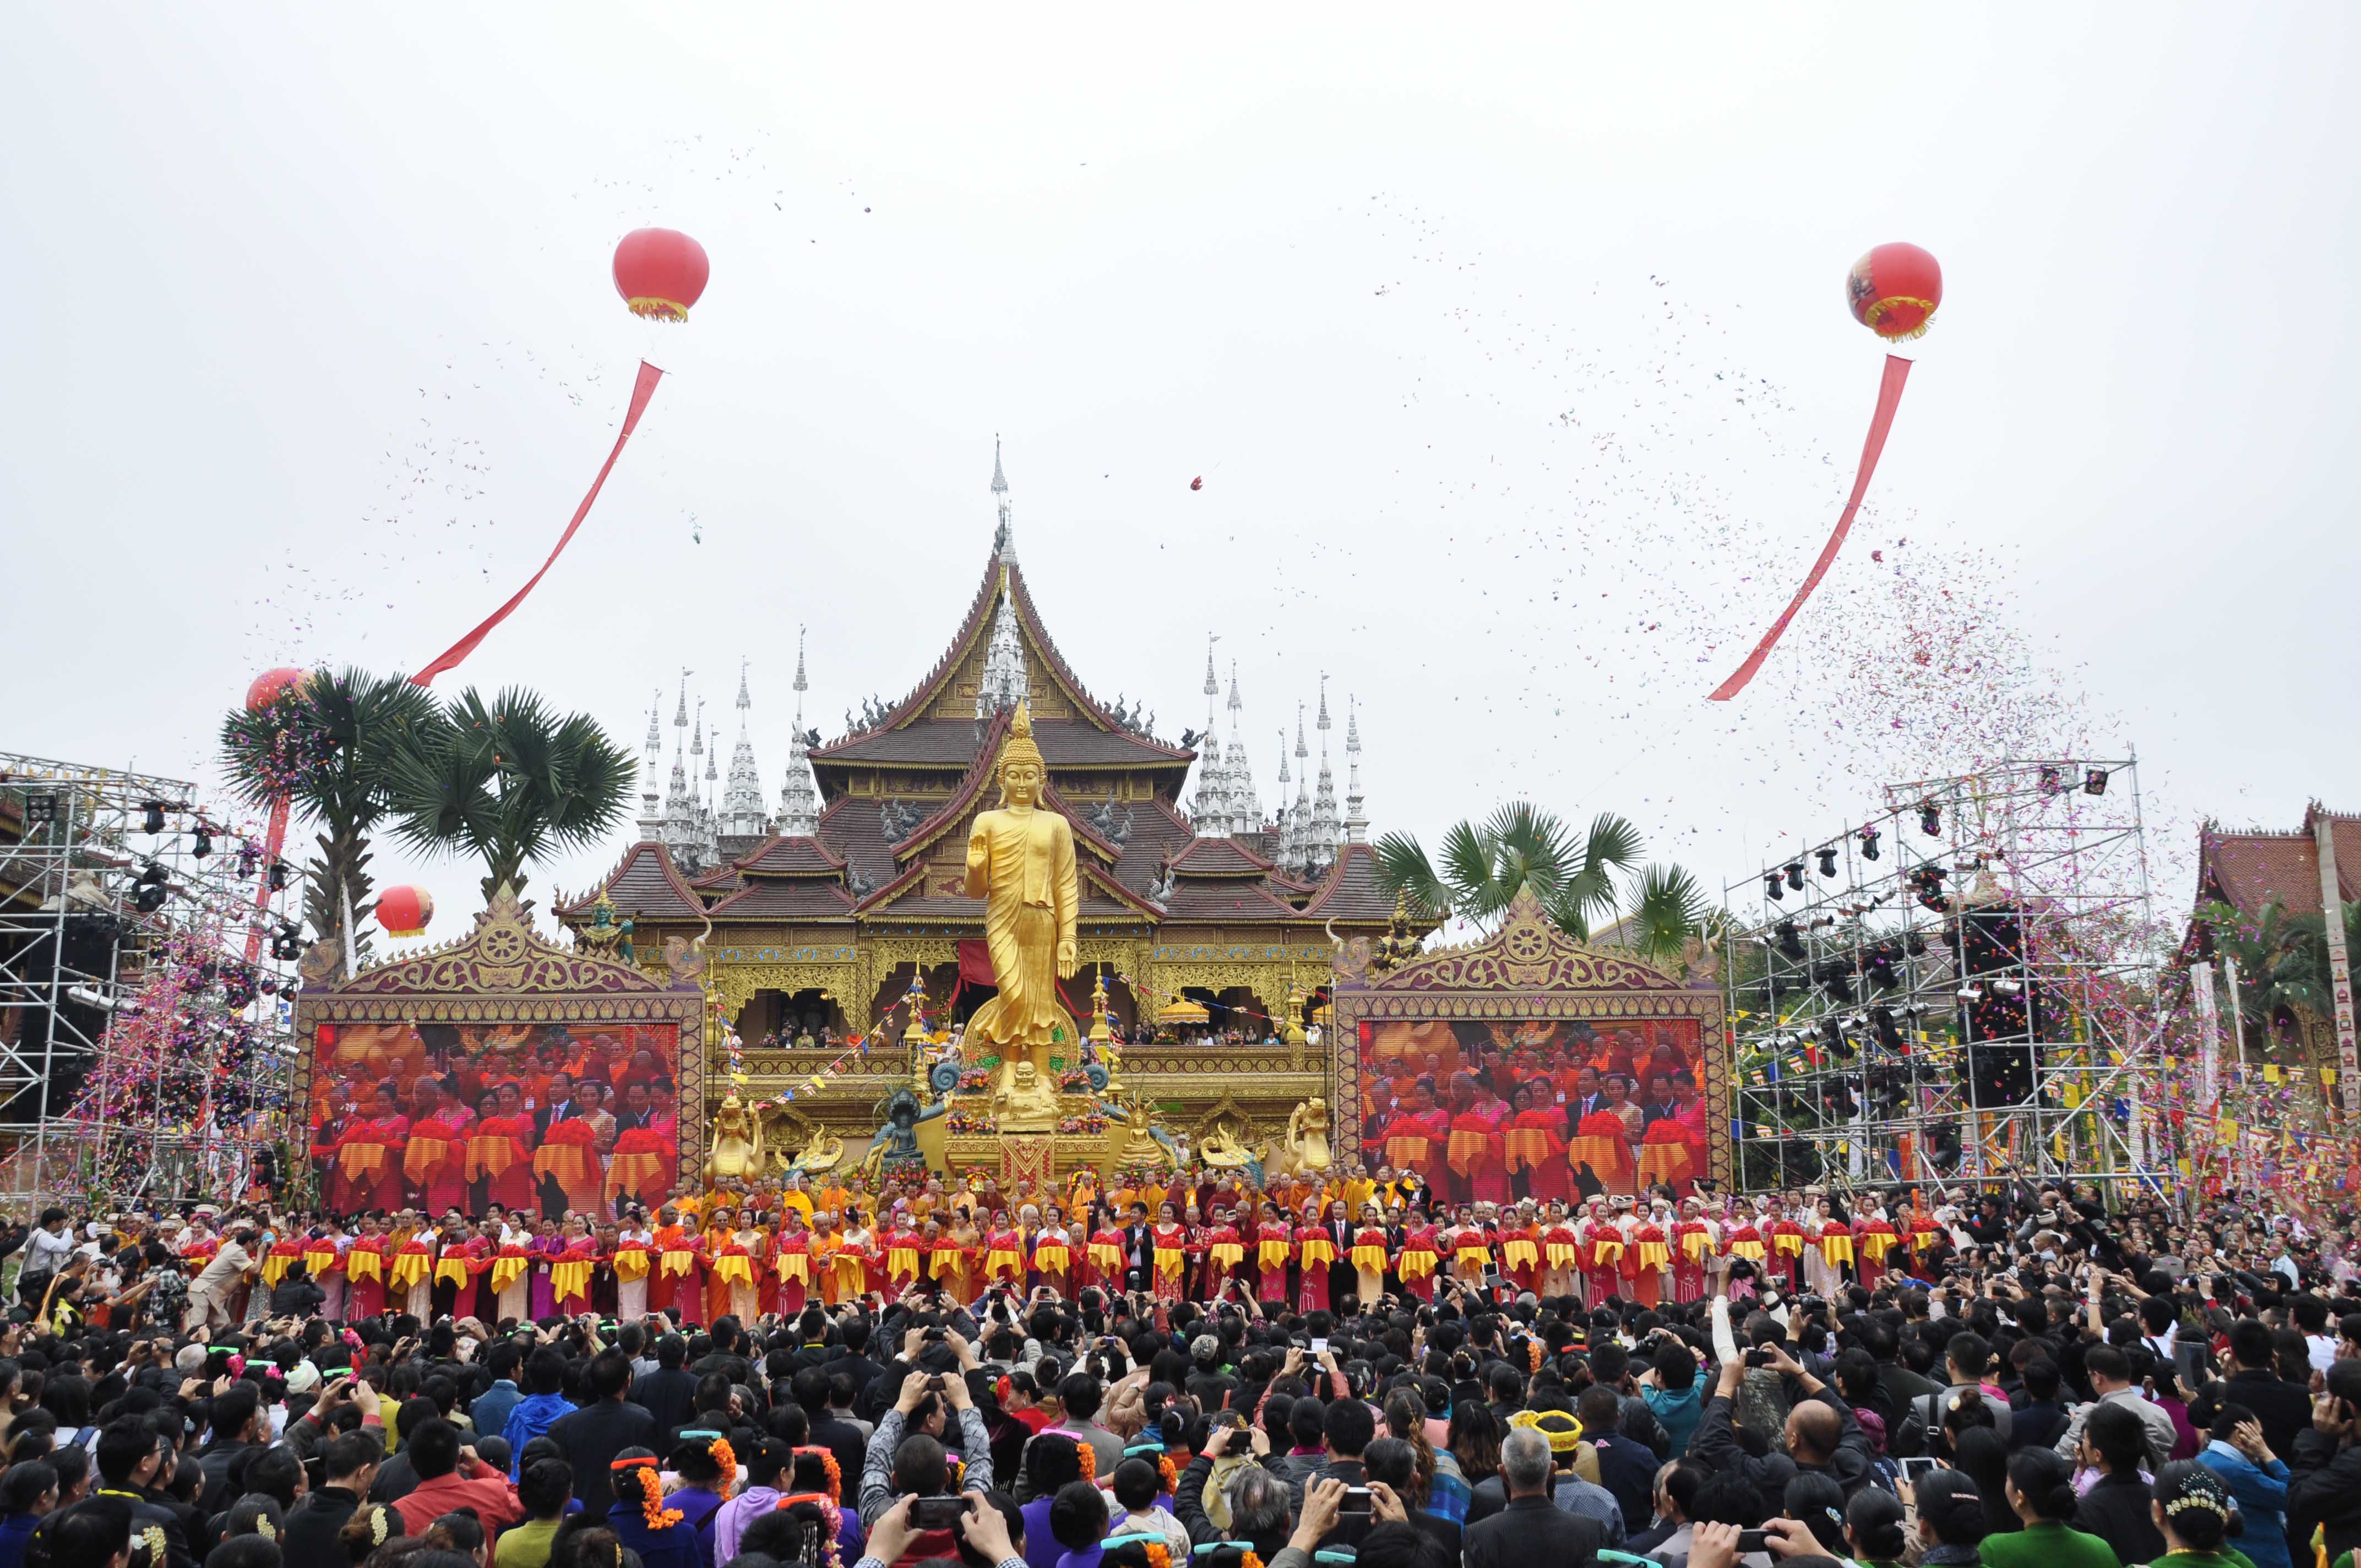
1299, 816
651, 775
1288, 831
1357, 816
1003, 541
680, 803
1003, 685
1246, 806
708, 818
1209, 810
742, 803
799, 799
1321, 838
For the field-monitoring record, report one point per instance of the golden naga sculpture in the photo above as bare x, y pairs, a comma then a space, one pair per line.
736, 1144
1305, 1148
825, 1152
1223, 1150
1020, 861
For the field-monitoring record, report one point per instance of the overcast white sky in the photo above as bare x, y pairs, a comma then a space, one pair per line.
1514, 354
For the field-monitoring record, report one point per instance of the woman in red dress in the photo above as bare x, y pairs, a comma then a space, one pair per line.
1315, 1249
369, 1157
1224, 1251
1420, 1252
1170, 1241
1535, 1143
365, 1270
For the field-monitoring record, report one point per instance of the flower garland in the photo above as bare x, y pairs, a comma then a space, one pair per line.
1168, 1472
727, 1458
651, 1486
830, 1469
1090, 1460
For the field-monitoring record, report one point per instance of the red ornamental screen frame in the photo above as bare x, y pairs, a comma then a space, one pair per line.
521, 1077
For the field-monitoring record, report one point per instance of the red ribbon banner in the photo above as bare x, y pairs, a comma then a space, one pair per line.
645, 389
1889, 398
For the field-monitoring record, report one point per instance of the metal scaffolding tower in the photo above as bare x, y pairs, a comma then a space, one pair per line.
1962, 987
137, 929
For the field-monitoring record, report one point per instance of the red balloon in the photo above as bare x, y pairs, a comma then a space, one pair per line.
659, 273
1198, 483
1893, 291
404, 911
271, 684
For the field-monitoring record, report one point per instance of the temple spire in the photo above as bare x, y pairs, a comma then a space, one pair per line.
1320, 839
652, 774
1288, 830
1003, 541
1246, 806
680, 802
799, 798
1209, 810
1356, 819
742, 804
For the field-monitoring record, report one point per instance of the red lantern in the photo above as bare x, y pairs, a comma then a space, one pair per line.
659, 273
272, 684
404, 911
1893, 291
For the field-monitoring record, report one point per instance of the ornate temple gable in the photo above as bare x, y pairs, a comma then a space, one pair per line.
1527, 953
503, 955
934, 725
644, 885
965, 800
1086, 837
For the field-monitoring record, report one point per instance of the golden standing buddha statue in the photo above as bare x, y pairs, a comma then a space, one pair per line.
1020, 861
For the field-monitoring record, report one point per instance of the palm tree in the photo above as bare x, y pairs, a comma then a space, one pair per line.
1521, 845
2301, 976
2269, 981
327, 745
510, 782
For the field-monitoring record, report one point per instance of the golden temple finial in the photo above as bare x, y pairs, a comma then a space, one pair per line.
1099, 1030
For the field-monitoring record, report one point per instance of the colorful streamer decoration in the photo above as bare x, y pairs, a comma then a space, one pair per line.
1893, 291
645, 389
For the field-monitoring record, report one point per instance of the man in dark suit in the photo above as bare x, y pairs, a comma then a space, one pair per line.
2284, 1409
1138, 1251
350, 1463
669, 1393
1532, 1529
130, 1454
1342, 1275
557, 1108
590, 1438
1627, 1467
1586, 1095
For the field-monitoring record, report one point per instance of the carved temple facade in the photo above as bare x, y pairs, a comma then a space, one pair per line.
855, 890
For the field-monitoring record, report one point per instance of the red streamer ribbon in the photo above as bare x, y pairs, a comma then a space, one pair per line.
1889, 398
645, 389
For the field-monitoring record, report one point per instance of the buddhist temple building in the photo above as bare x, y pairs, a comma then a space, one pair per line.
1210, 926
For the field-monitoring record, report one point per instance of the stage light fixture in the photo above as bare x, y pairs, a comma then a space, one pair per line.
249, 856
1790, 941
2053, 778
287, 942
1881, 1020
202, 842
2094, 781
1828, 859
1972, 992
1913, 946
148, 894
2007, 987
42, 808
1931, 819
1771, 889
155, 818
1796, 876
279, 876
1869, 843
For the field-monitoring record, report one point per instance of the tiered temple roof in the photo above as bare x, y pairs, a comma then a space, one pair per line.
897, 796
